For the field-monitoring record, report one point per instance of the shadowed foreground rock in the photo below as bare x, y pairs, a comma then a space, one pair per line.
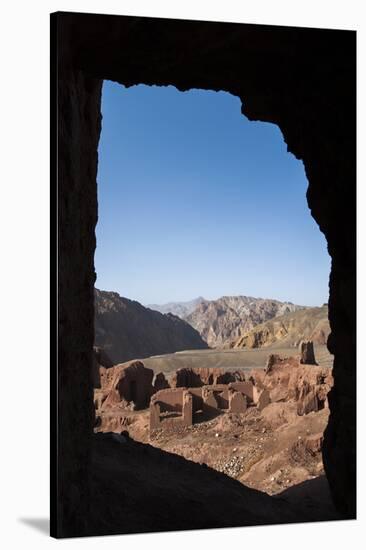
136, 488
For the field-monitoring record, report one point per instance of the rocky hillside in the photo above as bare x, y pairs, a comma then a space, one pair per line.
127, 330
181, 309
289, 329
230, 317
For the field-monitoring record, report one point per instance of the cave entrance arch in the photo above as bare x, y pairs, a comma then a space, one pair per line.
303, 80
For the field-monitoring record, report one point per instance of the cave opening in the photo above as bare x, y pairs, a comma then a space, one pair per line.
196, 200
295, 78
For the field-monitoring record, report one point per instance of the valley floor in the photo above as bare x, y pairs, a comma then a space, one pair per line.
228, 358
269, 450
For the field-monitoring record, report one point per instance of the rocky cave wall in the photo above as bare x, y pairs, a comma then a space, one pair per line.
303, 80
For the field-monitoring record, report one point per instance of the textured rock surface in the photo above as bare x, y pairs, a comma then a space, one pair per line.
287, 379
77, 119
289, 329
128, 330
295, 78
127, 385
220, 321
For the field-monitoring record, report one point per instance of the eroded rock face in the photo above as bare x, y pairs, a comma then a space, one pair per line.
127, 385
287, 379
275, 71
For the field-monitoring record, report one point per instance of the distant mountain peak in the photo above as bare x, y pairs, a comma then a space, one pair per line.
180, 309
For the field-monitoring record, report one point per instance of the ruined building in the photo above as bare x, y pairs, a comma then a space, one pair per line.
177, 407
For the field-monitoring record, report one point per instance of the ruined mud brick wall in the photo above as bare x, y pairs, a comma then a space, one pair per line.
237, 402
195, 377
303, 80
216, 396
170, 399
246, 388
179, 400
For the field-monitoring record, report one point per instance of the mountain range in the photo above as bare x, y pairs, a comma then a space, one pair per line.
125, 329
228, 318
289, 329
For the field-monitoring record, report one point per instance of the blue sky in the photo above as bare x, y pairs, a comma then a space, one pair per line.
195, 200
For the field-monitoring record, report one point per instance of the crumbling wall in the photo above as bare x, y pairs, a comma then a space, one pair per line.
237, 402
246, 388
171, 400
188, 377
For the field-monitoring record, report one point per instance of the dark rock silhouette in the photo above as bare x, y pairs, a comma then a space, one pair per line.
307, 356
171, 493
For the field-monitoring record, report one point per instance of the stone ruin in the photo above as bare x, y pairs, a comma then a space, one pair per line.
191, 394
198, 377
194, 394
180, 406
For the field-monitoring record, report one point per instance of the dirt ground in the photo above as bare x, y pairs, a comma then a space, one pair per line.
270, 450
137, 488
